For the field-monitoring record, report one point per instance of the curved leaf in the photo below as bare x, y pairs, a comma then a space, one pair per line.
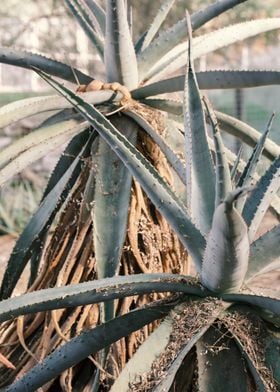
98, 291
87, 343
247, 134
29, 60
145, 355
272, 349
200, 169
227, 251
98, 13
254, 158
220, 364
120, 58
261, 196
111, 203
83, 19
153, 184
35, 138
169, 376
176, 33
37, 151
246, 178
40, 222
21, 109
156, 23
207, 43
265, 303
208, 80
223, 180
174, 160
264, 253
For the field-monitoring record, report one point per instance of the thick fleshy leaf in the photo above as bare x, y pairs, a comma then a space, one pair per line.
35, 138
111, 204
227, 251
261, 196
80, 13
272, 349
40, 222
264, 253
223, 179
207, 43
29, 60
37, 151
87, 343
156, 23
247, 134
153, 184
246, 178
175, 161
98, 291
250, 168
145, 355
120, 58
70, 153
200, 170
175, 34
98, 13
260, 383
208, 80
21, 109
220, 364
265, 303
170, 374
174, 108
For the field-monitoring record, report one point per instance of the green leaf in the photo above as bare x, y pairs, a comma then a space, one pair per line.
255, 157
247, 134
98, 291
111, 203
29, 60
40, 222
175, 161
272, 350
223, 179
80, 13
145, 355
170, 374
260, 383
200, 169
227, 251
176, 33
171, 106
87, 343
264, 253
157, 22
31, 154
120, 58
175, 59
68, 156
220, 364
39, 136
260, 198
264, 303
153, 184
23, 108
99, 14
246, 178
208, 80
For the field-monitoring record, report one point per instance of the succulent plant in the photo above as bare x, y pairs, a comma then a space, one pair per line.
101, 223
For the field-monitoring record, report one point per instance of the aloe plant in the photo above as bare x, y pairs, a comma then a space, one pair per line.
111, 209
